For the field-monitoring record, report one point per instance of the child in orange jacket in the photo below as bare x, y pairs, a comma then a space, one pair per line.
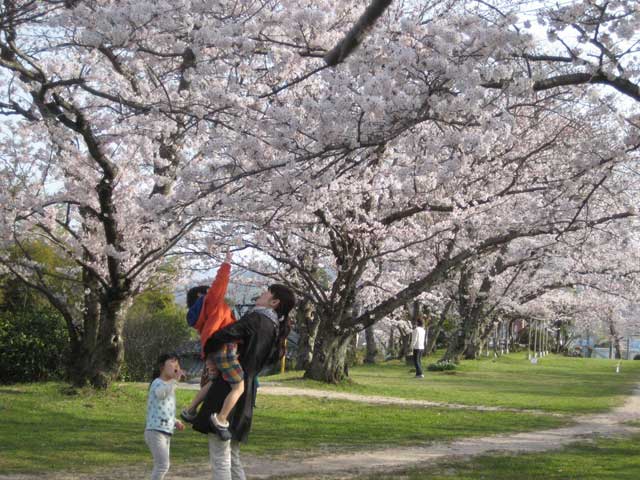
215, 315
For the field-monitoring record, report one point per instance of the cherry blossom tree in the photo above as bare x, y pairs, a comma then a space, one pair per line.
128, 122
391, 142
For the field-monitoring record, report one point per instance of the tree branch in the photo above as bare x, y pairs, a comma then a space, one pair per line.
352, 39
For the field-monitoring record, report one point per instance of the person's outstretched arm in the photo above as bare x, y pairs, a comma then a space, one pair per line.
216, 292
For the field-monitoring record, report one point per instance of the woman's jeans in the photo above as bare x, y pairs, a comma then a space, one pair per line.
417, 361
225, 459
159, 444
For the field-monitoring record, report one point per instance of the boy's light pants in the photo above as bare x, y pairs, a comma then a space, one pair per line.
159, 444
225, 459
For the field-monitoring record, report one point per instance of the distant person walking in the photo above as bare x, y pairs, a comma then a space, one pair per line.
417, 343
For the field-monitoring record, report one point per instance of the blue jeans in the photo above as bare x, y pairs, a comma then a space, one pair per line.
417, 361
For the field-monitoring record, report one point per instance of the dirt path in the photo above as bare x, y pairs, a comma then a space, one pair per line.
278, 389
344, 465
275, 389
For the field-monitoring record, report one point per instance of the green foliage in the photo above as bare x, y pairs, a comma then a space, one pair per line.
441, 366
57, 272
154, 324
34, 345
34, 340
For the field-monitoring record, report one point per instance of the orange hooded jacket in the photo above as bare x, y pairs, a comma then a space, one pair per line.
215, 313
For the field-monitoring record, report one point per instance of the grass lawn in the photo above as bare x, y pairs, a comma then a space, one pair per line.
555, 384
45, 428
607, 459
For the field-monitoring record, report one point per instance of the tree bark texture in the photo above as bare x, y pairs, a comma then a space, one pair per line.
307, 325
372, 349
329, 356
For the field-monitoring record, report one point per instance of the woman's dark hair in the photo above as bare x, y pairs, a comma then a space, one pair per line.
194, 293
160, 362
287, 300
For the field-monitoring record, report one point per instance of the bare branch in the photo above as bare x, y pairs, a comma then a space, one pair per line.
352, 39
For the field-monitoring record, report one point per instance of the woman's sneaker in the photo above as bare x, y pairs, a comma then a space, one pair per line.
219, 428
188, 416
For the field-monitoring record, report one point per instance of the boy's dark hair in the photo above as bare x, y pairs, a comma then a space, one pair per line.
419, 323
194, 293
163, 357
287, 300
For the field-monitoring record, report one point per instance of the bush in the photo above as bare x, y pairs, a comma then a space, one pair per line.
154, 324
636, 357
441, 366
34, 345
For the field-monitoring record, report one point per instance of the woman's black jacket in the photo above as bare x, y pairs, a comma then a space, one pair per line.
258, 335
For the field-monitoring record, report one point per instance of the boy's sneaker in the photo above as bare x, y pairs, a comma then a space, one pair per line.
419, 376
188, 416
220, 429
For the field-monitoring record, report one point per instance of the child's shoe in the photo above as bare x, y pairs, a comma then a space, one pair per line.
221, 429
188, 415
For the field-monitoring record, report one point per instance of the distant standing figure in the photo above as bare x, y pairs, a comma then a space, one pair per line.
417, 343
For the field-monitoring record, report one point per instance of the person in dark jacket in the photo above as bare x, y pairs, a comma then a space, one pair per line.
261, 335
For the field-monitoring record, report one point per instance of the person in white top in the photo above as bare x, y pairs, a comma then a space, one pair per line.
417, 343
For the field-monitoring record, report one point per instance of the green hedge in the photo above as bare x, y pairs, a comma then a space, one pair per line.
33, 345
154, 324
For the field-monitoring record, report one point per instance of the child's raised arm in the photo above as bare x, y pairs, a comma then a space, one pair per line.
217, 291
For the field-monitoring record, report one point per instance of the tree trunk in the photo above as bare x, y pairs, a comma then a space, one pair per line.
456, 346
85, 338
474, 340
372, 350
109, 353
435, 328
615, 338
307, 323
464, 341
405, 344
391, 345
98, 356
352, 354
433, 332
618, 347
329, 356
473, 348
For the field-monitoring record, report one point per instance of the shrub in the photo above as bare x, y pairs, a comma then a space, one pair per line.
636, 357
441, 366
154, 324
34, 345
